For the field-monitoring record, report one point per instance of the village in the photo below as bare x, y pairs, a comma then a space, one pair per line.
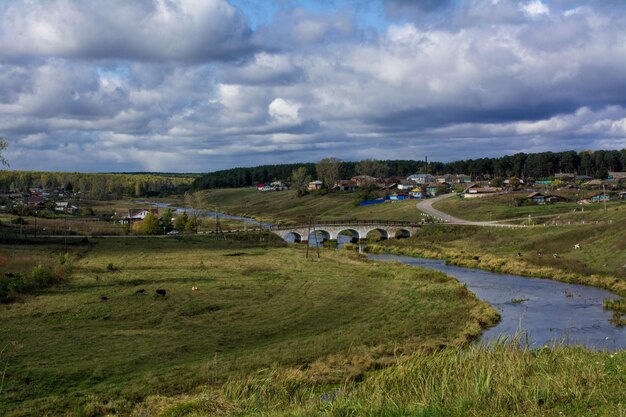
419, 186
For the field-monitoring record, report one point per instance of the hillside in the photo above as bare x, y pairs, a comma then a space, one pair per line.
288, 207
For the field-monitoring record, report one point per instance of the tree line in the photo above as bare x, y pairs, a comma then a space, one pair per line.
596, 164
98, 186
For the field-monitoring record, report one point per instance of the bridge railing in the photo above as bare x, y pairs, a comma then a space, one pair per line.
348, 222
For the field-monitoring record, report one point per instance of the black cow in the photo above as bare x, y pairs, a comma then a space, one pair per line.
141, 291
104, 298
160, 293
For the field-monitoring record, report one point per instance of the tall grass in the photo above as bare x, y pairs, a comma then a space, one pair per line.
504, 379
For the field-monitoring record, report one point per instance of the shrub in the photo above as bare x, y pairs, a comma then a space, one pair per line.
110, 267
41, 276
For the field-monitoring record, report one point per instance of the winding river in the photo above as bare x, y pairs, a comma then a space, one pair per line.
545, 311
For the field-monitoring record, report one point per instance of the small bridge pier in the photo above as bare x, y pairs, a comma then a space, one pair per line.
357, 230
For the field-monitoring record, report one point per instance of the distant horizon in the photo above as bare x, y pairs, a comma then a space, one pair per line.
198, 173
206, 85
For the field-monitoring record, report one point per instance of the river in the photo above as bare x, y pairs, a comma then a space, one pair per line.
545, 311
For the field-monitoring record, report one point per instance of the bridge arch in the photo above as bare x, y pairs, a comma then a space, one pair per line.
293, 237
319, 235
355, 236
402, 233
384, 235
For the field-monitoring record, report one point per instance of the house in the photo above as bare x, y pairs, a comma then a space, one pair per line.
537, 198
416, 193
345, 185
421, 178
36, 201
462, 179
434, 189
447, 178
264, 187
622, 195
65, 207
563, 176
583, 178
601, 197
593, 183
315, 185
279, 186
474, 191
365, 180
138, 214
406, 185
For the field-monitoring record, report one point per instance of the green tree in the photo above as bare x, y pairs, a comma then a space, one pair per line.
300, 180
372, 168
193, 201
167, 220
150, 225
514, 183
181, 221
328, 171
3, 146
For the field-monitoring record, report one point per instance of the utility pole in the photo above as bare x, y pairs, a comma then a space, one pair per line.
604, 195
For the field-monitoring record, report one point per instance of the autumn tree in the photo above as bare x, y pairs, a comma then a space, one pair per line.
300, 180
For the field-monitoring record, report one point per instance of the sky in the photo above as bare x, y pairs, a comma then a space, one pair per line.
204, 85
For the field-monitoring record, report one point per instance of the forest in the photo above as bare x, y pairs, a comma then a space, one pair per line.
99, 186
595, 164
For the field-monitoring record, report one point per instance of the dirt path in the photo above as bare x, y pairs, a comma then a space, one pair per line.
427, 207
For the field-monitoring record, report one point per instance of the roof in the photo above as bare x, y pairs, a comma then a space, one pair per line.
531, 195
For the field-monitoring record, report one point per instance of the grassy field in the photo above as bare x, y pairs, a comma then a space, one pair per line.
503, 207
70, 351
287, 207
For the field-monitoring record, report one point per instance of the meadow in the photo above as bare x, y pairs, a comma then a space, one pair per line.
504, 207
95, 344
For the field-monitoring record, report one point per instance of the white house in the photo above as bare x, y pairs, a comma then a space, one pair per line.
421, 178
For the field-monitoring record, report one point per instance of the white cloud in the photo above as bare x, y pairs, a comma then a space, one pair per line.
535, 8
284, 111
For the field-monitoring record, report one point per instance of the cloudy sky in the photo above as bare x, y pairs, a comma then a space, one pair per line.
201, 85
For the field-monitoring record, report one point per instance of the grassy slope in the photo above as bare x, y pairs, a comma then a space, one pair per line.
337, 317
502, 207
286, 206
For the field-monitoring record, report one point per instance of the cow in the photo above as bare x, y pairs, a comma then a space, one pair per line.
104, 298
194, 288
160, 292
577, 246
141, 291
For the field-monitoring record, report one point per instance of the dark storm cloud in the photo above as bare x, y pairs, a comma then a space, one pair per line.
185, 30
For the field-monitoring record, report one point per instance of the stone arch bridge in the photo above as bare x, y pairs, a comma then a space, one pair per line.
357, 229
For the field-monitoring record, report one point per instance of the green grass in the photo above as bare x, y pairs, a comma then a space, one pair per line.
505, 380
503, 207
287, 207
256, 308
